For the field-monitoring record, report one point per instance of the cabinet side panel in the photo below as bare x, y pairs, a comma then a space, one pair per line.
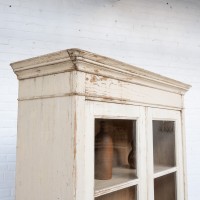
184, 155
45, 150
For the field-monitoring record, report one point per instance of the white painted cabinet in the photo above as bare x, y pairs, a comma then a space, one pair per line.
93, 128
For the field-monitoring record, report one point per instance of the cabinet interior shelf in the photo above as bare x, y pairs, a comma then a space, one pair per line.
160, 170
121, 178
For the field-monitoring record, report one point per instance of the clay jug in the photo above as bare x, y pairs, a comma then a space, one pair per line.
131, 157
103, 153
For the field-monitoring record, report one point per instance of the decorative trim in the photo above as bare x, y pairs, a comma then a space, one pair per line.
80, 60
39, 61
101, 98
50, 96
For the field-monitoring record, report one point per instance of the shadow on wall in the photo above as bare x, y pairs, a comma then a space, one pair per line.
102, 2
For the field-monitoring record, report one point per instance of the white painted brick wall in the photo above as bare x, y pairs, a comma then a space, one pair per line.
159, 35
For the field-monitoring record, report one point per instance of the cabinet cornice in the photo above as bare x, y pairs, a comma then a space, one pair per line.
80, 60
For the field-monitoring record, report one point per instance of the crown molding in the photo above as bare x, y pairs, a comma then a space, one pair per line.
80, 60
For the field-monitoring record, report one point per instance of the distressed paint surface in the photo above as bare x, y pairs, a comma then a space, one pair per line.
45, 148
55, 153
160, 44
99, 86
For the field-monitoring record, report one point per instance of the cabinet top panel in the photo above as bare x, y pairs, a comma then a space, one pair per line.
91, 63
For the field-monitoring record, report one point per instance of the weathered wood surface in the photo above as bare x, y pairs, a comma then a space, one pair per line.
60, 96
57, 85
76, 59
112, 89
116, 111
96, 88
45, 147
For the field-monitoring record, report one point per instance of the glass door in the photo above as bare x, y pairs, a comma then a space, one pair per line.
165, 161
116, 134
115, 159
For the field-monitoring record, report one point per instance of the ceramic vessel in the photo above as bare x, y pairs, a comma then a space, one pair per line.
103, 153
131, 157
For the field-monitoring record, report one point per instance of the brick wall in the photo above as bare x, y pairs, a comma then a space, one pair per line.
159, 35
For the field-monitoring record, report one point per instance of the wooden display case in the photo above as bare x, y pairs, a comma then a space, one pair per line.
93, 128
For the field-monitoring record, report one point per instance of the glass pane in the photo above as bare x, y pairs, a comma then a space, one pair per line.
115, 154
163, 145
125, 194
165, 187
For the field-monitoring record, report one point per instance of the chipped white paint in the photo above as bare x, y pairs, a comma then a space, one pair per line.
60, 95
130, 93
45, 147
